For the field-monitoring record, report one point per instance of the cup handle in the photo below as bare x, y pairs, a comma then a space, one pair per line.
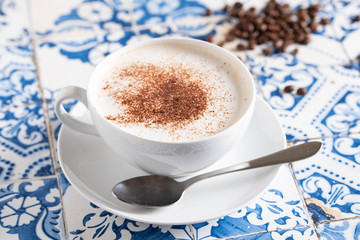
73, 92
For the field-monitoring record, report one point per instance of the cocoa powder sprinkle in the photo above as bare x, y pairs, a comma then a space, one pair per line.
158, 95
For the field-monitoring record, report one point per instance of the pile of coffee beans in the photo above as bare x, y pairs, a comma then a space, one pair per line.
275, 23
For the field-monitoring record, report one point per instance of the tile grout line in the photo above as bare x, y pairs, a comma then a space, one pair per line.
302, 198
27, 179
263, 232
339, 220
45, 106
191, 231
50, 140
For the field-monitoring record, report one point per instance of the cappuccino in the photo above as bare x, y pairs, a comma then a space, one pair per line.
169, 92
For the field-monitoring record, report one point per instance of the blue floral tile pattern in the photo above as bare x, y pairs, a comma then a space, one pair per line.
24, 144
31, 210
329, 107
48, 44
75, 56
160, 11
330, 181
85, 220
89, 47
89, 15
340, 230
18, 82
273, 210
348, 30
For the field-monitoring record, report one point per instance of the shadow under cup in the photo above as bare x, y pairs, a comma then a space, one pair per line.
183, 157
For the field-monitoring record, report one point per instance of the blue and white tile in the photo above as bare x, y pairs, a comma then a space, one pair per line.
330, 180
14, 22
340, 230
329, 107
75, 56
156, 31
348, 31
31, 210
301, 233
18, 81
181, 12
279, 207
24, 144
56, 16
85, 220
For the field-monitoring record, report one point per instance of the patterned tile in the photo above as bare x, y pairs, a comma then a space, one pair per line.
279, 207
25, 150
348, 30
85, 220
24, 144
181, 12
75, 56
329, 107
31, 210
330, 180
18, 83
339, 230
14, 22
56, 16
71, 37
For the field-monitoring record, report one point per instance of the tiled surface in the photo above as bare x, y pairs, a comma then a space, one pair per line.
49, 44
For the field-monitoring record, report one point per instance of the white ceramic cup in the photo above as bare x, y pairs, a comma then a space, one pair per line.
156, 157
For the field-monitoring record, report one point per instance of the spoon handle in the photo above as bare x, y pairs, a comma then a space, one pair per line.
291, 154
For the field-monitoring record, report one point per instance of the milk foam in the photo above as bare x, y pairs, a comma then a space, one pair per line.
221, 112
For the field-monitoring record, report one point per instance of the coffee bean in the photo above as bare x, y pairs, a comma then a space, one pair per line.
238, 5
325, 21
230, 37
251, 44
289, 89
295, 51
276, 23
301, 91
267, 51
356, 19
313, 26
233, 13
210, 38
240, 47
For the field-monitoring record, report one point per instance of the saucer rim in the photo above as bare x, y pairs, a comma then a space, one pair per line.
129, 216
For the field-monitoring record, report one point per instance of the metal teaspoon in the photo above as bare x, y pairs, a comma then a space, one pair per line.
158, 190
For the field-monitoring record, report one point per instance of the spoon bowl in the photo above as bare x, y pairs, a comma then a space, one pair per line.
145, 190
158, 190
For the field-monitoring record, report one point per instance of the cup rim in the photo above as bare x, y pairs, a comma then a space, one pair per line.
226, 52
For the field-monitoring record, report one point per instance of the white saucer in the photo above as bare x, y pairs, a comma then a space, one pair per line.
93, 169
